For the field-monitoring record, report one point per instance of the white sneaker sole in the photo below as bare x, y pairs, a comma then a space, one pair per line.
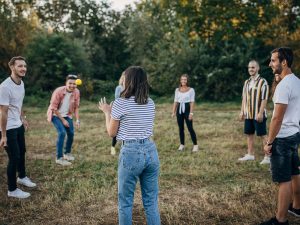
294, 214
30, 186
19, 197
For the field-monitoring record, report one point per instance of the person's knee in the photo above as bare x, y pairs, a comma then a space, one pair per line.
62, 134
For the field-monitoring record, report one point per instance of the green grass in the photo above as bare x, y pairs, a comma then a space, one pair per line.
208, 187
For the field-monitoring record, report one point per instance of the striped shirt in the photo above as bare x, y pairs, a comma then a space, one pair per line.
136, 120
254, 91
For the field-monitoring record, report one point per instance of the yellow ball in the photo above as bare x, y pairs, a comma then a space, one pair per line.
78, 82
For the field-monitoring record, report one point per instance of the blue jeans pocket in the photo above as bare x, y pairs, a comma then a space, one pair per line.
132, 160
154, 155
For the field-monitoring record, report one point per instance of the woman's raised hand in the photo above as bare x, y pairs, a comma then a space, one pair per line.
103, 106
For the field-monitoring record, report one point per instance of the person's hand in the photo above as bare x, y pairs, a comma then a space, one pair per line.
65, 123
25, 124
259, 117
190, 116
104, 107
173, 114
3, 142
241, 116
77, 124
267, 149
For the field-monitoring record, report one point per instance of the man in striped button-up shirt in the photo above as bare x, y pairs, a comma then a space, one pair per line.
253, 110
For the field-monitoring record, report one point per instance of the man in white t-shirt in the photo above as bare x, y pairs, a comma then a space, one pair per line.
13, 126
283, 137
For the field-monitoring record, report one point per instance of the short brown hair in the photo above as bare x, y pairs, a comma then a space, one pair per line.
14, 59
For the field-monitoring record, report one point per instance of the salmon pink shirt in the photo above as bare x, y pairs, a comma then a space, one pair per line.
56, 101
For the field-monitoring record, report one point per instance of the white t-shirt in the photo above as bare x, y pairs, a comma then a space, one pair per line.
12, 95
288, 92
65, 106
184, 97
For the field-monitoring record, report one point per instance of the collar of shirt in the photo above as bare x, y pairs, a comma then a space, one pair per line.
255, 78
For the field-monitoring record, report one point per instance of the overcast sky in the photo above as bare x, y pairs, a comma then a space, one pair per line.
120, 4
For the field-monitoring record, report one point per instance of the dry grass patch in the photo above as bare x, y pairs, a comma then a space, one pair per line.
207, 187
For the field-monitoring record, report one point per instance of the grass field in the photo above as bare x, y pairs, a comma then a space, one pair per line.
208, 187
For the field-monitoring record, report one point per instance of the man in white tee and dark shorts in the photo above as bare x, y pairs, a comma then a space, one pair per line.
282, 142
13, 126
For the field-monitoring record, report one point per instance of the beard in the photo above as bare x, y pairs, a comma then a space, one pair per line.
19, 74
278, 70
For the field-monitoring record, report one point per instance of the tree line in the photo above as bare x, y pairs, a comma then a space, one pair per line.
211, 40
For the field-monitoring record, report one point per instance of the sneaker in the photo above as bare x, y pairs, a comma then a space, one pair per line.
195, 148
247, 157
112, 150
69, 157
26, 182
293, 211
63, 162
18, 193
274, 221
181, 148
266, 160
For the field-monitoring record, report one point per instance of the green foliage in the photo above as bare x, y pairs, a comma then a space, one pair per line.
51, 58
15, 31
94, 89
211, 40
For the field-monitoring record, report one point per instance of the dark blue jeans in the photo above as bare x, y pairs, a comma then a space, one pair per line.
61, 133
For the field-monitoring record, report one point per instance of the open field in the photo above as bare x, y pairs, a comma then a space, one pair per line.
208, 187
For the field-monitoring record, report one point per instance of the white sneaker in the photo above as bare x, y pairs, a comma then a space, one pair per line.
63, 162
26, 182
195, 148
18, 193
247, 157
181, 148
112, 150
266, 160
69, 157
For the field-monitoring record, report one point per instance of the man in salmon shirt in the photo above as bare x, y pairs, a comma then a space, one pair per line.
64, 103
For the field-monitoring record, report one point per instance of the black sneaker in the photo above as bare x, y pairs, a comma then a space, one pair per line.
293, 211
274, 221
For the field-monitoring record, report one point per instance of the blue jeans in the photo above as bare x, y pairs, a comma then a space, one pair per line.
61, 133
138, 161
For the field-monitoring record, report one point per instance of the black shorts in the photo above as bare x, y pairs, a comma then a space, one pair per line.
284, 158
252, 125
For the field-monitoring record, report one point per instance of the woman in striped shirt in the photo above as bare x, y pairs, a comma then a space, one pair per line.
131, 119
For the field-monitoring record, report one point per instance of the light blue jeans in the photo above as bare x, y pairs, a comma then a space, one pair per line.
61, 133
138, 160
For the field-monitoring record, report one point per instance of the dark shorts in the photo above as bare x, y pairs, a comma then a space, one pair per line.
252, 125
284, 158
